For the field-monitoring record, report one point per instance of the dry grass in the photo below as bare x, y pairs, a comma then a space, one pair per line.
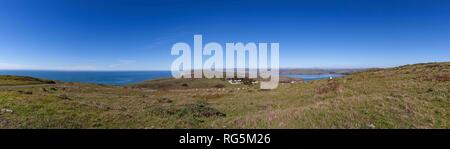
413, 96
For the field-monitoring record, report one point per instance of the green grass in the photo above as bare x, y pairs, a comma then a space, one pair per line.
177, 84
412, 96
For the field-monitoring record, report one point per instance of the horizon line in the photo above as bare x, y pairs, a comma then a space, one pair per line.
311, 68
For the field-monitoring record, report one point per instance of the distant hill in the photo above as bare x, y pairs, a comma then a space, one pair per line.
7, 80
318, 71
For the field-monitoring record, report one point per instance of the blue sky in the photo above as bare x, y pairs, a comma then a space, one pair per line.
138, 35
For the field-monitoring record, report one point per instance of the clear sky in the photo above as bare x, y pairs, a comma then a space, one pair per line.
138, 35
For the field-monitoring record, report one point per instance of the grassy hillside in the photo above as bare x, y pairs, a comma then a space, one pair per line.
412, 96
173, 84
18, 80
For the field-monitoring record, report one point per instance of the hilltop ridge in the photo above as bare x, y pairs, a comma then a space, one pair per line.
410, 96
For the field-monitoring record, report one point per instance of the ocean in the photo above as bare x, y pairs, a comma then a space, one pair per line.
120, 77
97, 77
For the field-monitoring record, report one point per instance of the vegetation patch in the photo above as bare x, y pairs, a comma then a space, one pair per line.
443, 77
331, 86
164, 100
198, 109
219, 85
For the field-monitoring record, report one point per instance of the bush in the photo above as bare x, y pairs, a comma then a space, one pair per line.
331, 86
247, 81
200, 109
219, 86
49, 81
